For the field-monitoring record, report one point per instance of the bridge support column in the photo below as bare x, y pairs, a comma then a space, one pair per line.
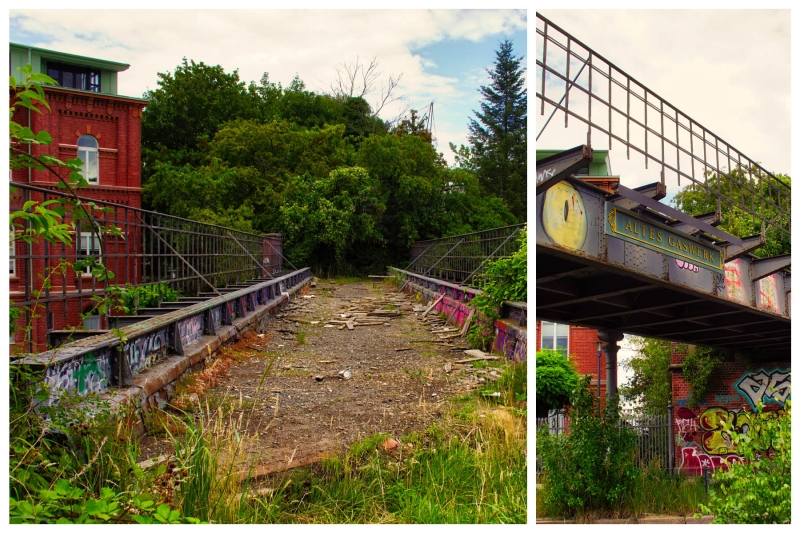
610, 337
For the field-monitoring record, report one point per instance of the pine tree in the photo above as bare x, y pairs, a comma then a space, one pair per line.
499, 136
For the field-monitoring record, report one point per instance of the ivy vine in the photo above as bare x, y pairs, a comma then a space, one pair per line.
698, 367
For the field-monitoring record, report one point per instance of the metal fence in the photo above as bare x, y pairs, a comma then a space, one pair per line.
653, 442
574, 81
461, 259
190, 257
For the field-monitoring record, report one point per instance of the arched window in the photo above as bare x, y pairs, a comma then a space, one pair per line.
87, 152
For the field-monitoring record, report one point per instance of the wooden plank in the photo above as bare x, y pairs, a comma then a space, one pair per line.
428, 310
473, 359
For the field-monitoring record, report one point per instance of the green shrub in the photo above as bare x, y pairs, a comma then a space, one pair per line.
504, 279
592, 466
556, 379
149, 296
758, 491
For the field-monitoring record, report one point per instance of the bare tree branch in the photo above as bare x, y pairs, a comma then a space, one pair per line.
359, 80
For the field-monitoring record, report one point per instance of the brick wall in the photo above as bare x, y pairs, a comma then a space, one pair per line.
116, 124
583, 352
734, 389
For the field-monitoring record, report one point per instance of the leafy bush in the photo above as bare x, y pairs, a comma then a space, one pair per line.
592, 466
148, 296
556, 379
698, 367
758, 491
505, 279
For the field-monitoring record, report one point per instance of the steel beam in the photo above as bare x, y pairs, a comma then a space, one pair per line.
667, 210
551, 170
764, 267
655, 191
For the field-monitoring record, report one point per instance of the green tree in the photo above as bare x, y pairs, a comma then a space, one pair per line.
499, 136
556, 379
187, 109
744, 188
651, 383
321, 219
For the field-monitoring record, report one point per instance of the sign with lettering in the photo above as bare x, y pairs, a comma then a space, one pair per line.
631, 227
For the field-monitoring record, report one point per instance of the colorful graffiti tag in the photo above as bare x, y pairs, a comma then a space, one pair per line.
688, 266
702, 442
144, 352
733, 281
190, 329
83, 376
774, 386
768, 292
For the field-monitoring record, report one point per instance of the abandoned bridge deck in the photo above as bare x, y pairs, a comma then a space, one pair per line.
587, 277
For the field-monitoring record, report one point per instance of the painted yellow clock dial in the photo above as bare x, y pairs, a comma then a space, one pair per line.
564, 216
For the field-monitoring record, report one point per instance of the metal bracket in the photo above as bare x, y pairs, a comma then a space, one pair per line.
732, 251
553, 169
656, 191
764, 267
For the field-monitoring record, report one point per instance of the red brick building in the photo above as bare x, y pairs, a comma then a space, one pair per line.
579, 344
87, 120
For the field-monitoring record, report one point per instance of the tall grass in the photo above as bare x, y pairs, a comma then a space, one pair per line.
471, 467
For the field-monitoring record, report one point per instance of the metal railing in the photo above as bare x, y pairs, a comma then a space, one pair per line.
623, 110
190, 257
461, 259
653, 442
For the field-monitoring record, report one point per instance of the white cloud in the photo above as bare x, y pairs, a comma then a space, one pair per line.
309, 43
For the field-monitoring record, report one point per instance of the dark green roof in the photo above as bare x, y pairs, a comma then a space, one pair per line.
75, 59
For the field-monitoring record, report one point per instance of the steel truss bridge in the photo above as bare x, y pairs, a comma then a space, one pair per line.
609, 259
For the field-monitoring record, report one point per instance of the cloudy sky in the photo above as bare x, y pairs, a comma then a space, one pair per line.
442, 54
728, 70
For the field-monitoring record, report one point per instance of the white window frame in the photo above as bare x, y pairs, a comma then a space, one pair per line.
12, 259
87, 238
554, 336
90, 155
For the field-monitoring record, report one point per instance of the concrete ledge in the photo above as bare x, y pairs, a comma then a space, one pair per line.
156, 385
647, 519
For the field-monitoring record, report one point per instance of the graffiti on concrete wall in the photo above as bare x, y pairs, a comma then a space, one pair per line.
85, 375
190, 329
768, 293
144, 352
216, 316
774, 386
733, 281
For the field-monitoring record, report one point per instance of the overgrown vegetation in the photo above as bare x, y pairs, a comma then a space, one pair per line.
651, 382
698, 367
147, 296
759, 490
591, 467
504, 279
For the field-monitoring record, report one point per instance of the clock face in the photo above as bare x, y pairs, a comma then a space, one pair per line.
564, 216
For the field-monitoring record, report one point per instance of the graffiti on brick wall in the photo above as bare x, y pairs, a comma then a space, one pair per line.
144, 352
190, 329
704, 443
83, 376
774, 386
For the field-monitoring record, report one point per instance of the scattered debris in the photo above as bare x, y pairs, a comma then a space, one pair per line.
403, 349
390, 445
323, 362
345, 374
319, 378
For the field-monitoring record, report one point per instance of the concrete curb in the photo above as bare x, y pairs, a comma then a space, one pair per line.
155, 386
